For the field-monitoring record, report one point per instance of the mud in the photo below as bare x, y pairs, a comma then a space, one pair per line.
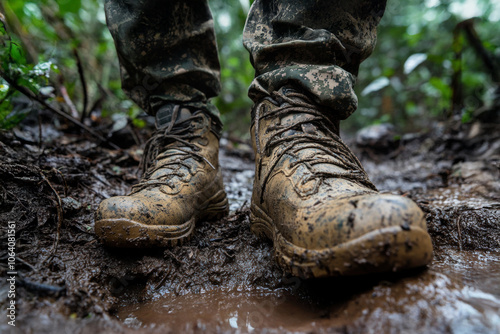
225, 278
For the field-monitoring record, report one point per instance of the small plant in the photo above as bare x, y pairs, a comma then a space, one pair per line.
16, 72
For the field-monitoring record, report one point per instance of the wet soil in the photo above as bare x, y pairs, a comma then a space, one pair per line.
225, 279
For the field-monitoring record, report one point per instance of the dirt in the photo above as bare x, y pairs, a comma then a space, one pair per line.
225, 279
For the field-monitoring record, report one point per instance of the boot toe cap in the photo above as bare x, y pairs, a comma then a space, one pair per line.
360, 235
138, 221
341, 221
123, 207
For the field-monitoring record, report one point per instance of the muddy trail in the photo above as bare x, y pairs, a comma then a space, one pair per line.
225, 279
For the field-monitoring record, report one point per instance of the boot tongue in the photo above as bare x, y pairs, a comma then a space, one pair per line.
164, 115
312, 129
185, 113
174, 150
293, 119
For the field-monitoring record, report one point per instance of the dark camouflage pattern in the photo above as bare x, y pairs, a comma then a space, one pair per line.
313, 45
168, 54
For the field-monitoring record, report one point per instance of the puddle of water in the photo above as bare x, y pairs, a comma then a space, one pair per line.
245, 311
477, 269
460, 293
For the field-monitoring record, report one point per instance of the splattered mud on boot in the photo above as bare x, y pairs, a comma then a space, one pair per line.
182, 183
314, 200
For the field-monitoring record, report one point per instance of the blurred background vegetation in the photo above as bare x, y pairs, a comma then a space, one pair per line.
62, 52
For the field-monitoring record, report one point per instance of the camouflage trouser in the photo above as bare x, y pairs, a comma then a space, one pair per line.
168, 53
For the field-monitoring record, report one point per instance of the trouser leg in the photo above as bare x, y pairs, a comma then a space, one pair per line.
167, 52
316, 45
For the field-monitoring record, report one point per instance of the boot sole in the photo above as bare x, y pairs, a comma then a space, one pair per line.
387, 249
127, 233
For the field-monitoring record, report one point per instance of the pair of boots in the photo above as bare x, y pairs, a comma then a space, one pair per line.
311, 195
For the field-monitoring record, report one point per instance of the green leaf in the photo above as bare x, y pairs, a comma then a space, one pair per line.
71, 6
467, 116
441, 86
139, 123
10, 117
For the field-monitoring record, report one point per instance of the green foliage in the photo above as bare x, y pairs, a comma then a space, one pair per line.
416, 56
17, 71
54, 31
7, 121
467, 116
236, 71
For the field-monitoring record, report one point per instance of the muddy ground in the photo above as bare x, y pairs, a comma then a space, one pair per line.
225, 279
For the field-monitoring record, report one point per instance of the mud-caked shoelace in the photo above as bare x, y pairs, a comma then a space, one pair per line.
170, 147
296, 140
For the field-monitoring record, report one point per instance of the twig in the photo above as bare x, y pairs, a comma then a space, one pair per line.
227, 254
83, 83
134, 134
59, 218
40, 288
15, 197
26, 264
457, 98
39, 132
64, 180
67, 99
459, 232
240, 209
163, 279
173, 257
486, 57
36, 98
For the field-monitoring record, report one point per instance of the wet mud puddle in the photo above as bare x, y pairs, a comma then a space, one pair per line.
458, 293
246, 311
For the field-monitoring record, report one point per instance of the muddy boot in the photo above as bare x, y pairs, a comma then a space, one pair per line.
314, 200
181, 184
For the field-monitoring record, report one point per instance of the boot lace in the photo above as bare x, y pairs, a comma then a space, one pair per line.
337, 152
170, 148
